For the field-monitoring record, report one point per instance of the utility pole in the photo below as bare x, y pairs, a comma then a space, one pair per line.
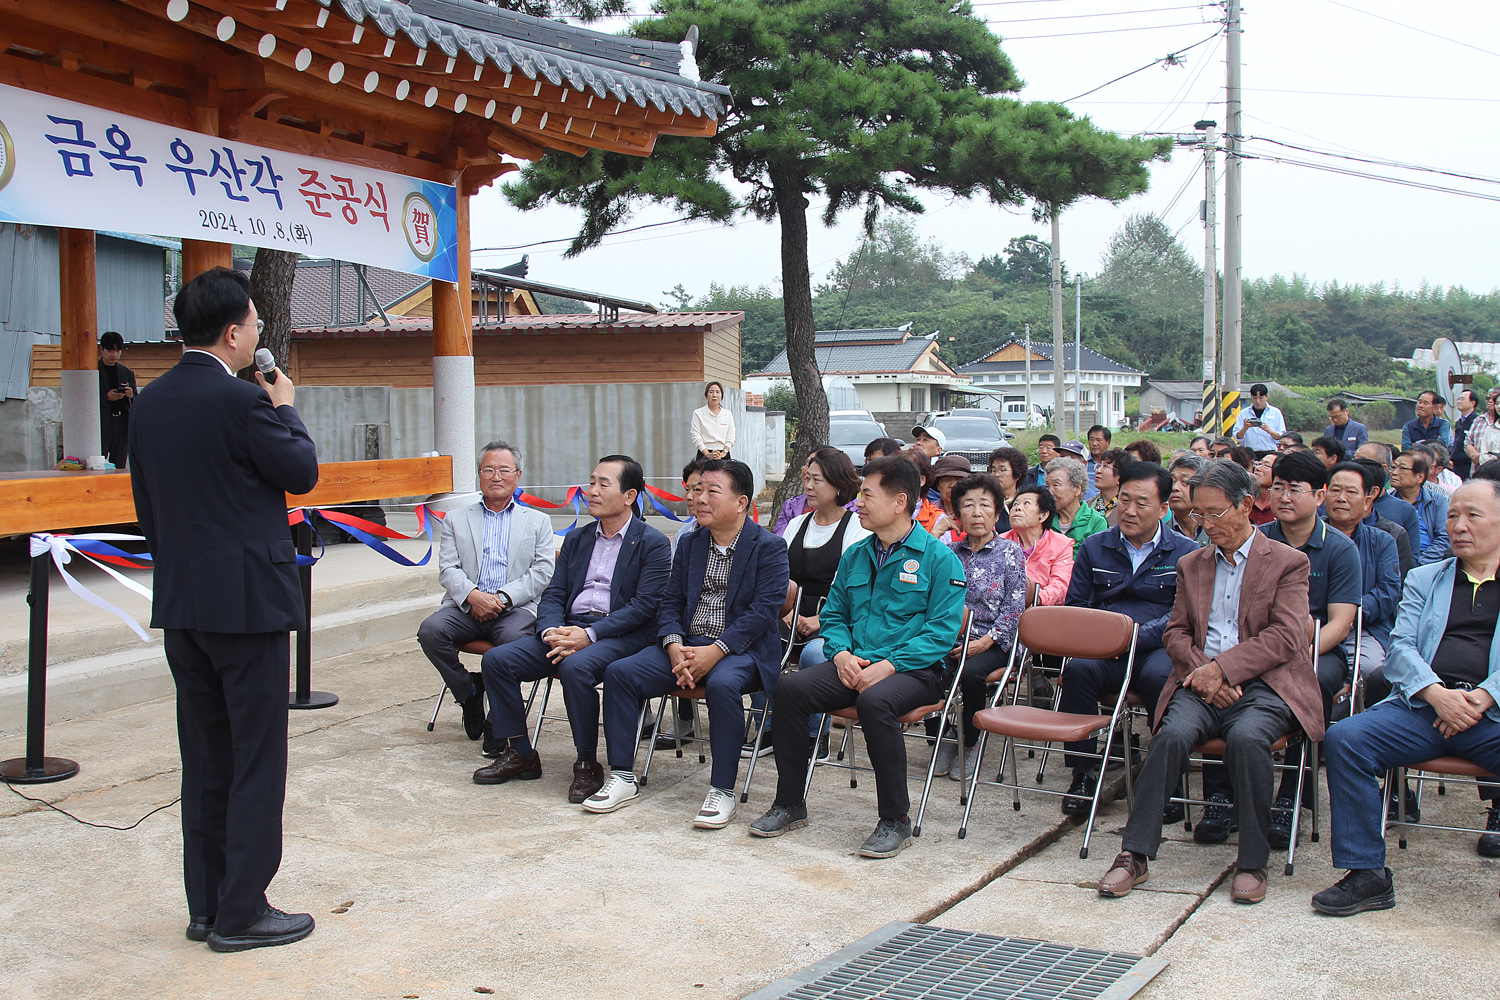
1059, 376
1233, 212
1210, 276
1028, 377
1077, 349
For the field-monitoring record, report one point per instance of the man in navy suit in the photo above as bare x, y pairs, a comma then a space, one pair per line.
717, 628
599, 607
212, 458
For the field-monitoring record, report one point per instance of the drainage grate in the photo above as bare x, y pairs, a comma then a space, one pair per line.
903, 961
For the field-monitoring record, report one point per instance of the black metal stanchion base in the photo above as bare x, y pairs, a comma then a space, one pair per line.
16, 772
313, 699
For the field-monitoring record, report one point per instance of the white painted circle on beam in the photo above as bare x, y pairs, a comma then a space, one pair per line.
267, 45
403, 88
372, 80
545, 115
460, 102
515, 117
303, 60
336, 72
177, 10
225, 30
489, 109
430, 98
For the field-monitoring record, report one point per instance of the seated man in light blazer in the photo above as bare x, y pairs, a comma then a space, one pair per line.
717, 628
494, 560
600, 607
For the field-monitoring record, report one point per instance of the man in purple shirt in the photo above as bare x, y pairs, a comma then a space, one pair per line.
599, 607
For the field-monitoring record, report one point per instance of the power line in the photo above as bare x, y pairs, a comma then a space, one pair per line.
1101, 31
1379, 162
1185, 89
1170, 58
1390, 97
569, 239
1412, 27
1108, 13
1344, 171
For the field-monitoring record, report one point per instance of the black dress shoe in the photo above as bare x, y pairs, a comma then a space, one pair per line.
473, 707
1489, 842
198, 928
1217, 822
492, 747
273, 928
1413, 809
1360, 890
1080, 797
1172, 813
1279, 833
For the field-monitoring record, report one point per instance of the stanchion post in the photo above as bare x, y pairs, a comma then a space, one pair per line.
304, 696
36, 767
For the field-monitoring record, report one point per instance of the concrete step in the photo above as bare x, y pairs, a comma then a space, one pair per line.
105, 681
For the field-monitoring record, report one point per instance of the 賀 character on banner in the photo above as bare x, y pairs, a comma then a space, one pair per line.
75, 164
121, 159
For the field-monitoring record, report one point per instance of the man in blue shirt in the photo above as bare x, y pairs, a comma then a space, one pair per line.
1130, 569
1099, 438
1426, 425
1259, 425
1410, 479
1350, 487
1341, 426
1388, 505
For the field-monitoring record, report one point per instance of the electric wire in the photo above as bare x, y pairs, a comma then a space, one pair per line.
1365, 175
1169, 58
1101, 31
1375, 161
1187, 86
84, 822
1413, 27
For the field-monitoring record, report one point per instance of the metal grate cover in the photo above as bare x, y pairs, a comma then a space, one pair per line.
903, 961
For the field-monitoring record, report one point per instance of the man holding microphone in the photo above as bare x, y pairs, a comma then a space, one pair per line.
211, 459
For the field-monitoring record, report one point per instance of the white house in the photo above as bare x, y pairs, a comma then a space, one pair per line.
892, 370
1002, 374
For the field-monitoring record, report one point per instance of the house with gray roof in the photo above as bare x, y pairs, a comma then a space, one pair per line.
1005, 373
893, 370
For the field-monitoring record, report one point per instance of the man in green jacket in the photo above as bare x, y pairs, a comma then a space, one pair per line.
892, 616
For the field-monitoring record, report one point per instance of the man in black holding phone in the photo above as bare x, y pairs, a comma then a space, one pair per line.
212, 459
116, 392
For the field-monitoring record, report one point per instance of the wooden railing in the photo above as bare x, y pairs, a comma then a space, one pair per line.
56, 501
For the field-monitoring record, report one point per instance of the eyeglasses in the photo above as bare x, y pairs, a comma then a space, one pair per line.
494, 473
1205, 516
1286, 490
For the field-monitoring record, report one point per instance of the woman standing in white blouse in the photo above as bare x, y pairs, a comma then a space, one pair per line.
712, 426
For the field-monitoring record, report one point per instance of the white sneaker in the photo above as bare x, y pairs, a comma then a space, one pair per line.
616, 793
718, 810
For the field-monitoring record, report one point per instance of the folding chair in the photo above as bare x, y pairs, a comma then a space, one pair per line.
1308, 766
481, 646
696, 695
942, 709
1085, 633
1466, 772
788, 645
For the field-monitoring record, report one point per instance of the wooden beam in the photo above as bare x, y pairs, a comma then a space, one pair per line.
200, 255
80, 313
351, 482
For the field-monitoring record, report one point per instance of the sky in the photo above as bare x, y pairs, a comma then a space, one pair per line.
1328, 75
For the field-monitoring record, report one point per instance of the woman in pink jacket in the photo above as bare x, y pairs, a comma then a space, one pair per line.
1049, 553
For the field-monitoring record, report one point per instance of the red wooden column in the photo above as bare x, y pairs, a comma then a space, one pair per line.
80, 340
200, 255
453, 361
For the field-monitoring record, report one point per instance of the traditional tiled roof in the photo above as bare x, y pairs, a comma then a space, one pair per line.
1093, 361
859, 359
418, 326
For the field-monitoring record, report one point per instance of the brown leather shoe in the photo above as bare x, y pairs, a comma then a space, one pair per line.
509, 765
588, 778
1128, 871
1249, 885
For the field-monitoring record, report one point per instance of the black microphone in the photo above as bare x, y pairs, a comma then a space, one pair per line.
265, 361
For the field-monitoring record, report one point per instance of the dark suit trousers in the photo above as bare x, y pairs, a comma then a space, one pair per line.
648, 674
506, 667
1248, 728
232, 729
115, 439
1331, 668
447, 628
1084, 682
818, 689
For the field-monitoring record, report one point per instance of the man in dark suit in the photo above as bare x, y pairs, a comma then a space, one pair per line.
1239, 638
717, 628
212, 459
600, 607
116, 392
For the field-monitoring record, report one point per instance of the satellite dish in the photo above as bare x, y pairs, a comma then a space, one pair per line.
1450, 368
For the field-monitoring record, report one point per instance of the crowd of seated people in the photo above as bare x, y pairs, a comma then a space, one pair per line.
1224, 561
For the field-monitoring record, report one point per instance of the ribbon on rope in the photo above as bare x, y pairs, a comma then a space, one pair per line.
574, 497
62, 547
371, 533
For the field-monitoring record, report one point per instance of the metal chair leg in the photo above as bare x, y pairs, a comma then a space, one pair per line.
1291, 847
760, 735
963, 827
536, 737
655, 729
916, 830
436, 708
812, 758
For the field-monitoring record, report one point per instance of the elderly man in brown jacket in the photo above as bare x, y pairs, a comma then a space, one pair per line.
1241, 671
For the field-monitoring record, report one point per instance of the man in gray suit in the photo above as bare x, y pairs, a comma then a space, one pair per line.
494, 560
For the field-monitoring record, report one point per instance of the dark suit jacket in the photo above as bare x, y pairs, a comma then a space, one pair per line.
1275, 632
635, 591
757, 590
210, 463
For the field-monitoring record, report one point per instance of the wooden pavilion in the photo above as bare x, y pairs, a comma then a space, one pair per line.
446, 91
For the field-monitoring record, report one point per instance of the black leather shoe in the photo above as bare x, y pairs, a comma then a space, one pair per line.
1279, 833
780, 819
492, 747
473, 707
1489, 843
508, 765
1080, 795
198, 928
1172, 813
273, 928
1360, 890
1413, 809
1218, 821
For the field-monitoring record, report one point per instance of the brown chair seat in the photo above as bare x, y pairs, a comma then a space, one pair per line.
910, 718
1027, 723
1134, 700
478, 647
1217, 746
1451, 765
695, 693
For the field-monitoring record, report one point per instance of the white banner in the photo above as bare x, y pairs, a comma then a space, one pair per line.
75, 166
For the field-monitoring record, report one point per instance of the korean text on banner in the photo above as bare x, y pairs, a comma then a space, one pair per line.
71, 165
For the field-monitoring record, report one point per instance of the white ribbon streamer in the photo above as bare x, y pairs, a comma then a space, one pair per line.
62, 553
